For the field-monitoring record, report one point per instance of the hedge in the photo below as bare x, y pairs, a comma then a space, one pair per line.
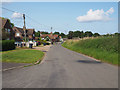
8, 45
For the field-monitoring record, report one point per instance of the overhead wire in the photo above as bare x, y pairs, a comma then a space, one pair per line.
32, 19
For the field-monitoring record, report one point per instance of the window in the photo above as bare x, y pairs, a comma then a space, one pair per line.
9, 30
33, 35
6, 29
17, 34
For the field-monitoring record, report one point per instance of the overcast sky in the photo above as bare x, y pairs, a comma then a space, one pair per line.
100, 17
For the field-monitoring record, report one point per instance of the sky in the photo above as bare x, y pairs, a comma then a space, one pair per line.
98, 17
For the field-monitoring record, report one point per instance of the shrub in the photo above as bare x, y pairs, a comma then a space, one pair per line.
8, 45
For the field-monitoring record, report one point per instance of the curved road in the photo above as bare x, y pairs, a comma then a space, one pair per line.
63, 68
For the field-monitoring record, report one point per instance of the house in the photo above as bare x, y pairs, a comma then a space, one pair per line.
20, 34
60, 39
7, 31
51, 36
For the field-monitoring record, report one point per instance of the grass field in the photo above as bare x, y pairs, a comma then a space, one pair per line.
22, 56
102, 48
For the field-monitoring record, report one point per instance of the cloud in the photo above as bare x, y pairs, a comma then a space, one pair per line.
17, 15
97, 15
110, 11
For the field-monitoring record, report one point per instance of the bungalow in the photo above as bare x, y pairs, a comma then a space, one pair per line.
20, 34
7, 31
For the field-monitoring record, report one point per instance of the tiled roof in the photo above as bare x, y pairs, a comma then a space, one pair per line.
18, 29
51, 36
3, 21
29, 31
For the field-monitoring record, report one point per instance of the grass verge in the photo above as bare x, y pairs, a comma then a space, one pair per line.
22, 56
102, 48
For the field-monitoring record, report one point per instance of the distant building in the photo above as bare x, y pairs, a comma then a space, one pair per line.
20, 34
51, 36
7, 31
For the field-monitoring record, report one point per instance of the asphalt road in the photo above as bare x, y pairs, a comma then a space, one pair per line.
63, 68
6, 66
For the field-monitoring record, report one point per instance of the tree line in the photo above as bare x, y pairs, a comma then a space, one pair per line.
74, 34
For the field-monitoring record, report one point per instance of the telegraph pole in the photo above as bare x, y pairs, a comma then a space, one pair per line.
51, 31
24, 27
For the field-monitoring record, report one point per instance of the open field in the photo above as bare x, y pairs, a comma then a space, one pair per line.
22, 56
102, 48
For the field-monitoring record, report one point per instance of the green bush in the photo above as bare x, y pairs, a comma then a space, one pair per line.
8, 45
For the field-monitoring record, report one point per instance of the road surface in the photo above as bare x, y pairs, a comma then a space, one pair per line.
63, 68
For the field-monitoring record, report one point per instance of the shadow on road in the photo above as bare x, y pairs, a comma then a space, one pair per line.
89, 61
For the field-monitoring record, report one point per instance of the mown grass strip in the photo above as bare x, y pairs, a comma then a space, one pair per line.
22, 56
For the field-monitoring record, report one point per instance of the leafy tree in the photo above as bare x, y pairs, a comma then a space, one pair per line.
82, 34
96, 34
70, 35
37, 34
44, 32
88, 34
62, 35
76, 34
117, 34
56, 33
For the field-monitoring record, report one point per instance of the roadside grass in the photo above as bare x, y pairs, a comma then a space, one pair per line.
102, 48
22, 56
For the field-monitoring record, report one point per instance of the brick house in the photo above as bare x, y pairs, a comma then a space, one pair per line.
20, 34
51, 36
7, 31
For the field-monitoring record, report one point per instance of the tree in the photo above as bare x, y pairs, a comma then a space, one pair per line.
117, 34
70, 35
44, 32
56, 33
82, 34
62, 35
96, 34
37, 34
76, 34
88, 34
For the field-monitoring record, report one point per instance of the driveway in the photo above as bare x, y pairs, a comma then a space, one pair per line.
63, 68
